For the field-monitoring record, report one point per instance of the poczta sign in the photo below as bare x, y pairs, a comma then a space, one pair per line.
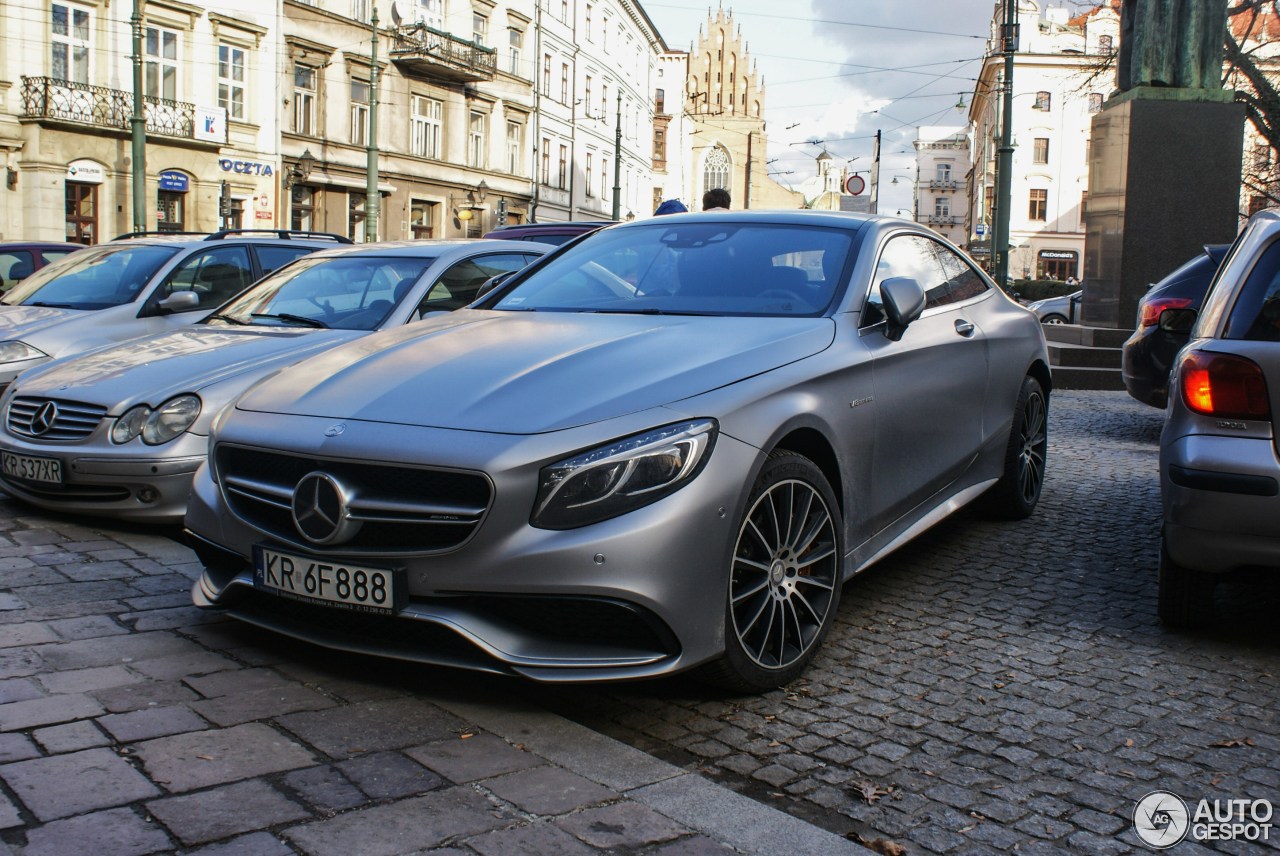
246, 167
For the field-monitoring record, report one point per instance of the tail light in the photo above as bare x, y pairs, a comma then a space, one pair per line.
1152, 311
1225, 386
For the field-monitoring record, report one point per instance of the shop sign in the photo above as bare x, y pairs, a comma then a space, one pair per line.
86, 171
210, 124
245, 167
1070, 255
173, 180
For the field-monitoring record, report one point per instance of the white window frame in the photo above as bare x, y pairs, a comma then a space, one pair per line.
515, 147
477, 151
305, 99
160, 63
426, 126
591, 191
479, 28
360, 111
68, 44
430, 12
360, 11
515, 41
232, 63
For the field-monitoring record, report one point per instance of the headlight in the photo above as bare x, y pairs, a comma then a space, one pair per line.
622, 476
16, 352
170, 419
130, 425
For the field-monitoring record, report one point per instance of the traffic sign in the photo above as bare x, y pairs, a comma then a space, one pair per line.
980, 229
853, 185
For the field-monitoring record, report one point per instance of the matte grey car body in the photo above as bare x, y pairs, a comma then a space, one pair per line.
126, 288
589, 474
75, 464
1219, 452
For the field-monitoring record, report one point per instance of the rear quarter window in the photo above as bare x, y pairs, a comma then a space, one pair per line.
1255, 314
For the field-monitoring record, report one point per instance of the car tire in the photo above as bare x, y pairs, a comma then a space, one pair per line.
784, 577
1054, 318
1015, 495
1184, 597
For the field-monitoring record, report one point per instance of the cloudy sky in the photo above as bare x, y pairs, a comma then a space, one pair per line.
838, 70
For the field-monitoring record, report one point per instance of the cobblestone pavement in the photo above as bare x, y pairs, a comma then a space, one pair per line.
991, 687
997, 686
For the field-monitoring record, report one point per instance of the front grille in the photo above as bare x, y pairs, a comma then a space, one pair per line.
73, 492
71, 420
402, 510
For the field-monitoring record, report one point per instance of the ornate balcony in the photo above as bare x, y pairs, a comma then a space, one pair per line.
426, 51
943, 220
942, 184
48, 98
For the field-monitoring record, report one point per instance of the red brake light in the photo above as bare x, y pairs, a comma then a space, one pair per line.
1152, 311
1226, 386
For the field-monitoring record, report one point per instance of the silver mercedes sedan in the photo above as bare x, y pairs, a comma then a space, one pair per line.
667, 446
120, 431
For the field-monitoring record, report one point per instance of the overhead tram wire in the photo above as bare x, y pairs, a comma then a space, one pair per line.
836, 23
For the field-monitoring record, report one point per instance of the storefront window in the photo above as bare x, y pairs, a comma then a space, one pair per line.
302, 211
82, 213
170, 213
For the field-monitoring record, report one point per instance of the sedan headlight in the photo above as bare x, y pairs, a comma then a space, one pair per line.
130, 424
622, 476
16, 352
170, 419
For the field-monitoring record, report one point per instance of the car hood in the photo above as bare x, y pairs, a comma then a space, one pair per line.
152, 368
19, 321
529, 373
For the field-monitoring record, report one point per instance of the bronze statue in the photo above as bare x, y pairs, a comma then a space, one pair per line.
1172, 43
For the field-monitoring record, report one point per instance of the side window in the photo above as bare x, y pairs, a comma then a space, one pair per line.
458, 285
963, 282
51, 256
272, 257
14, 266
911, 256
1256, 314
215, 275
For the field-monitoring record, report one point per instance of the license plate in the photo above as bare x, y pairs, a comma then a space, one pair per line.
357, 587
29, 468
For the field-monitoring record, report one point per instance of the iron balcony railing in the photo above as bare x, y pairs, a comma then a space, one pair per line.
942, 184
943, 220
64, 100
427, 50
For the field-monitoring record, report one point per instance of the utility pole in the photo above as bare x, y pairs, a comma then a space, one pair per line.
138, 127
371, 197
617, 161
538, 80
1004, 161
875, 177
746, 195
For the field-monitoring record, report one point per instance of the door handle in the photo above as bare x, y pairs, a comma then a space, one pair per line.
964, 328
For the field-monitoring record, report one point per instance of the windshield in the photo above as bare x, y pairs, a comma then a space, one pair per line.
691, 268
96, 278
356, 292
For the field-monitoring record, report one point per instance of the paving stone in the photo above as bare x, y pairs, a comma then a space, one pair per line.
17, 747
151, 722
401, 827
389, 775
183, 665
118, 831
254, 844
19, 689
88, 680
697, 845
372, 726
222, 812
478, 757
112, 650
50, 710
71, 737
86, 627
324, 788
263, 703
548, 790
9, 816
535, 838
144, 695
185, 762
621, 825
223, 683
65, 785
30, 633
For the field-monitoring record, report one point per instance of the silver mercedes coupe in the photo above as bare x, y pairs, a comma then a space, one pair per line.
667, 446
119, 432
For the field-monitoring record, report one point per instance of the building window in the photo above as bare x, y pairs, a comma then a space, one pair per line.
422, 219
476, 150
355, 216
425, 127
1041, 152
161, 64
304, 99
586, 95
942, 206
1104, 44
659, 145
715, 170
604, 101
515, 38
546, 74
1042, 100
564, 11
544, 170
302, 212
231, 81
944, 171
82, 212
360, 112
562, 178
1095, 102
432, 12
660, 101
515, 148
591, 191
360, 10
587, 25
1039, 207
70, 45
479, 29
564, 83
604, 34
170, 211
604, 177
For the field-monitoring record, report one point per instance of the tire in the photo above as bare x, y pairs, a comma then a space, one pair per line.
784, 577
1185, 597
1015, 495
1054, 318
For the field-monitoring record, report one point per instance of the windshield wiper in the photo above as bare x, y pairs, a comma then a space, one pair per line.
50, 305
218, 316
296, 319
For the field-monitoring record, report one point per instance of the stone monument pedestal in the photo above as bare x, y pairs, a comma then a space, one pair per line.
1164, 180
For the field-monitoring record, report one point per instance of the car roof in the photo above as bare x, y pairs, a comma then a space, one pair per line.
263, 236
433, 247
39, 245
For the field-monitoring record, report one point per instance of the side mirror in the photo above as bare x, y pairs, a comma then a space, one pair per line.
180, 301
904, 300
1177, 320
493, 282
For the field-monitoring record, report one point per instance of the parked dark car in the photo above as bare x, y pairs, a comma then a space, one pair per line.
1166, 314
20, 259
548, 233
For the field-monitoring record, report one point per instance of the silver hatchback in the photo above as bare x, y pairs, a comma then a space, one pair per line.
1219, 452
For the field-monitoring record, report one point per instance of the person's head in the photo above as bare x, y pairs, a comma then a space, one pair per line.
671, 206
716, 197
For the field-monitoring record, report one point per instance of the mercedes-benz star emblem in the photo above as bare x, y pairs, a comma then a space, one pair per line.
334, 430
320, 510
44, 417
